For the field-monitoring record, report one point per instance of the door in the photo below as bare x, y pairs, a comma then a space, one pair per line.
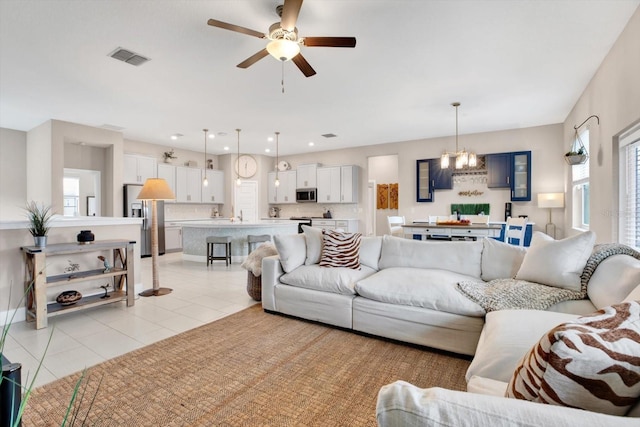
246, 201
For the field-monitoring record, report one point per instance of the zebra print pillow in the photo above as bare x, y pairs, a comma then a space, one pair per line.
340, 249
591, 363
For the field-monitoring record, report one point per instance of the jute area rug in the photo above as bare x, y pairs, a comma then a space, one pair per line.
248, 369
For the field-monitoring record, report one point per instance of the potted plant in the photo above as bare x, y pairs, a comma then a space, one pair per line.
169, 155
577, 156
39, 218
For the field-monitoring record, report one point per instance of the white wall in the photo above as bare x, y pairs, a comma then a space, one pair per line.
614, 95
13, 174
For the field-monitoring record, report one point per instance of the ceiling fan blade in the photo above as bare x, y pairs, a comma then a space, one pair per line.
303, 65
236, 28
253, 59
330, 41
290, 12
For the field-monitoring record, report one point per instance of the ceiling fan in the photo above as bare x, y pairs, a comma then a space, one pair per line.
284, 42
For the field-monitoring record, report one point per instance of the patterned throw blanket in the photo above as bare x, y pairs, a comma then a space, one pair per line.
502, 294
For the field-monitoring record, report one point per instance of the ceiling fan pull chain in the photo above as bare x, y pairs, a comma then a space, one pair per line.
282, 81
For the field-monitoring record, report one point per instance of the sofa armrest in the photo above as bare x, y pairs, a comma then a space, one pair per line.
402, 404
271, 272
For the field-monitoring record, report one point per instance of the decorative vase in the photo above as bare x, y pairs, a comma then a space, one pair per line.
40, 241
86, 236
168, 160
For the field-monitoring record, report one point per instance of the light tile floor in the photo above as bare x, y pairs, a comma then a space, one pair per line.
84, 338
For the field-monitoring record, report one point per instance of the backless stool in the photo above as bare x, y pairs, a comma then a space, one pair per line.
254, 240
219, 240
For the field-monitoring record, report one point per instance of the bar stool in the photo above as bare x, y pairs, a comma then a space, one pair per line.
254, 240
219, 240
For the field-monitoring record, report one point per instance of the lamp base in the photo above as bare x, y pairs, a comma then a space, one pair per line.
155, 292
550, 229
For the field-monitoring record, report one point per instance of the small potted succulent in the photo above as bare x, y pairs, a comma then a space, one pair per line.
39, 217
169, 156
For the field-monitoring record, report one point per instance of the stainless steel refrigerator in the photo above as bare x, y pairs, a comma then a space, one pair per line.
135, 208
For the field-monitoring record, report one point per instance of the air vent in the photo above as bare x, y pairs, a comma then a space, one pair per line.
329, 135
128, 56
112, 127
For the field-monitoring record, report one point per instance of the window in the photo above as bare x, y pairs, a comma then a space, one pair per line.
580, 189
71, 189
629, 222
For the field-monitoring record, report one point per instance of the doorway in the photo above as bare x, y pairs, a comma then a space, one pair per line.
246, 201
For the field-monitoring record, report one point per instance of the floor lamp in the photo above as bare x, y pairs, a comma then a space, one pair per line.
550, 201
155, 189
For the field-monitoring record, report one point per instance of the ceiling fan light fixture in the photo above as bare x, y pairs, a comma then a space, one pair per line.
283, 50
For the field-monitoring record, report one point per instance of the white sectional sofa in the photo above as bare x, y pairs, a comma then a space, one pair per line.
407, 290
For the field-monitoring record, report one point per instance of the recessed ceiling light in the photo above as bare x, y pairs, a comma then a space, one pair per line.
270, 139
266, 150
211, 136
226, 148
176, 136
311, 144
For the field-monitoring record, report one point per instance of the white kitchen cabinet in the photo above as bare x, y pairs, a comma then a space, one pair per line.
214, 192
286, 191
306, 176
329, 185
349, 183
137, 169
168, 173
188, 185
172, 239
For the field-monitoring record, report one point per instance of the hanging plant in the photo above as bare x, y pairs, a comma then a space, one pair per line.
577, 154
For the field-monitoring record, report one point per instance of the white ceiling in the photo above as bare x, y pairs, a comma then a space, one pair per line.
511, 64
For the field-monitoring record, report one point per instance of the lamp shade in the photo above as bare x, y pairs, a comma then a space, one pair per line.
551, 200
156, 189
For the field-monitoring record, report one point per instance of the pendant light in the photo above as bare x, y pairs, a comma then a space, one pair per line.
238, 181
205, 181
277, 183
463, 158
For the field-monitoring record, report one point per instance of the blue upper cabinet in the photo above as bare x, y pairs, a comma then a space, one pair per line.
521, 176
441, 179
424, 189
498, 170
512, 171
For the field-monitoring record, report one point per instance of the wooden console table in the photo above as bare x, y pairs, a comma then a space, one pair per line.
37, 281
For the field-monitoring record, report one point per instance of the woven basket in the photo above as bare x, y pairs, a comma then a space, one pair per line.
254, 286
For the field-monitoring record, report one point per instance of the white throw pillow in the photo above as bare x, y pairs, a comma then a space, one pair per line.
292, 250
557, 263
500, 260
370, 248
313, 237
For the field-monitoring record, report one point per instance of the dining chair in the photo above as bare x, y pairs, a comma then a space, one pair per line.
395, 225
515, 230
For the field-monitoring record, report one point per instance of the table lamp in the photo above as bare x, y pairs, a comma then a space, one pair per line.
155, 189
550, 201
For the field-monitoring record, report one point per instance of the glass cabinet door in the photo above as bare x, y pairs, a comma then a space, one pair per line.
423, 181
521, 176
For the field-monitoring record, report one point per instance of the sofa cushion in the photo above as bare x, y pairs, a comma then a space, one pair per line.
339, 280
370, 248
590, 363
459, 257
428, 288
557, 263
507, 335
340, 249
500, 260
613, 280
313, 240
291, 249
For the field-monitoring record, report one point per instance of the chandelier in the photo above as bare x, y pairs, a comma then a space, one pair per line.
463, 158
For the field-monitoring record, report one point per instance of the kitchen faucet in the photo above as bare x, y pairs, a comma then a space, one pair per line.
240, 217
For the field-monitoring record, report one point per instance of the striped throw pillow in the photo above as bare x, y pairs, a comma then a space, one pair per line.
590, 363
340, 249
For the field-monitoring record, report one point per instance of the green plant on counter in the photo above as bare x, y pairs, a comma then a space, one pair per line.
39, 217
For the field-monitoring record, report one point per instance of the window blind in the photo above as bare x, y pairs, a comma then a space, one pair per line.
630, 197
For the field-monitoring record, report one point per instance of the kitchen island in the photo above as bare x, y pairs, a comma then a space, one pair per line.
195, 233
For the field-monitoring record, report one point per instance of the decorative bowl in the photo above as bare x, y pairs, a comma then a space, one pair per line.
68, 297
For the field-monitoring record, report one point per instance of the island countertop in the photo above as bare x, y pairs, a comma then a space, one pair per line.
226, 223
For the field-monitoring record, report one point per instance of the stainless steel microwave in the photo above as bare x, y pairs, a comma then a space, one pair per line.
306, 195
